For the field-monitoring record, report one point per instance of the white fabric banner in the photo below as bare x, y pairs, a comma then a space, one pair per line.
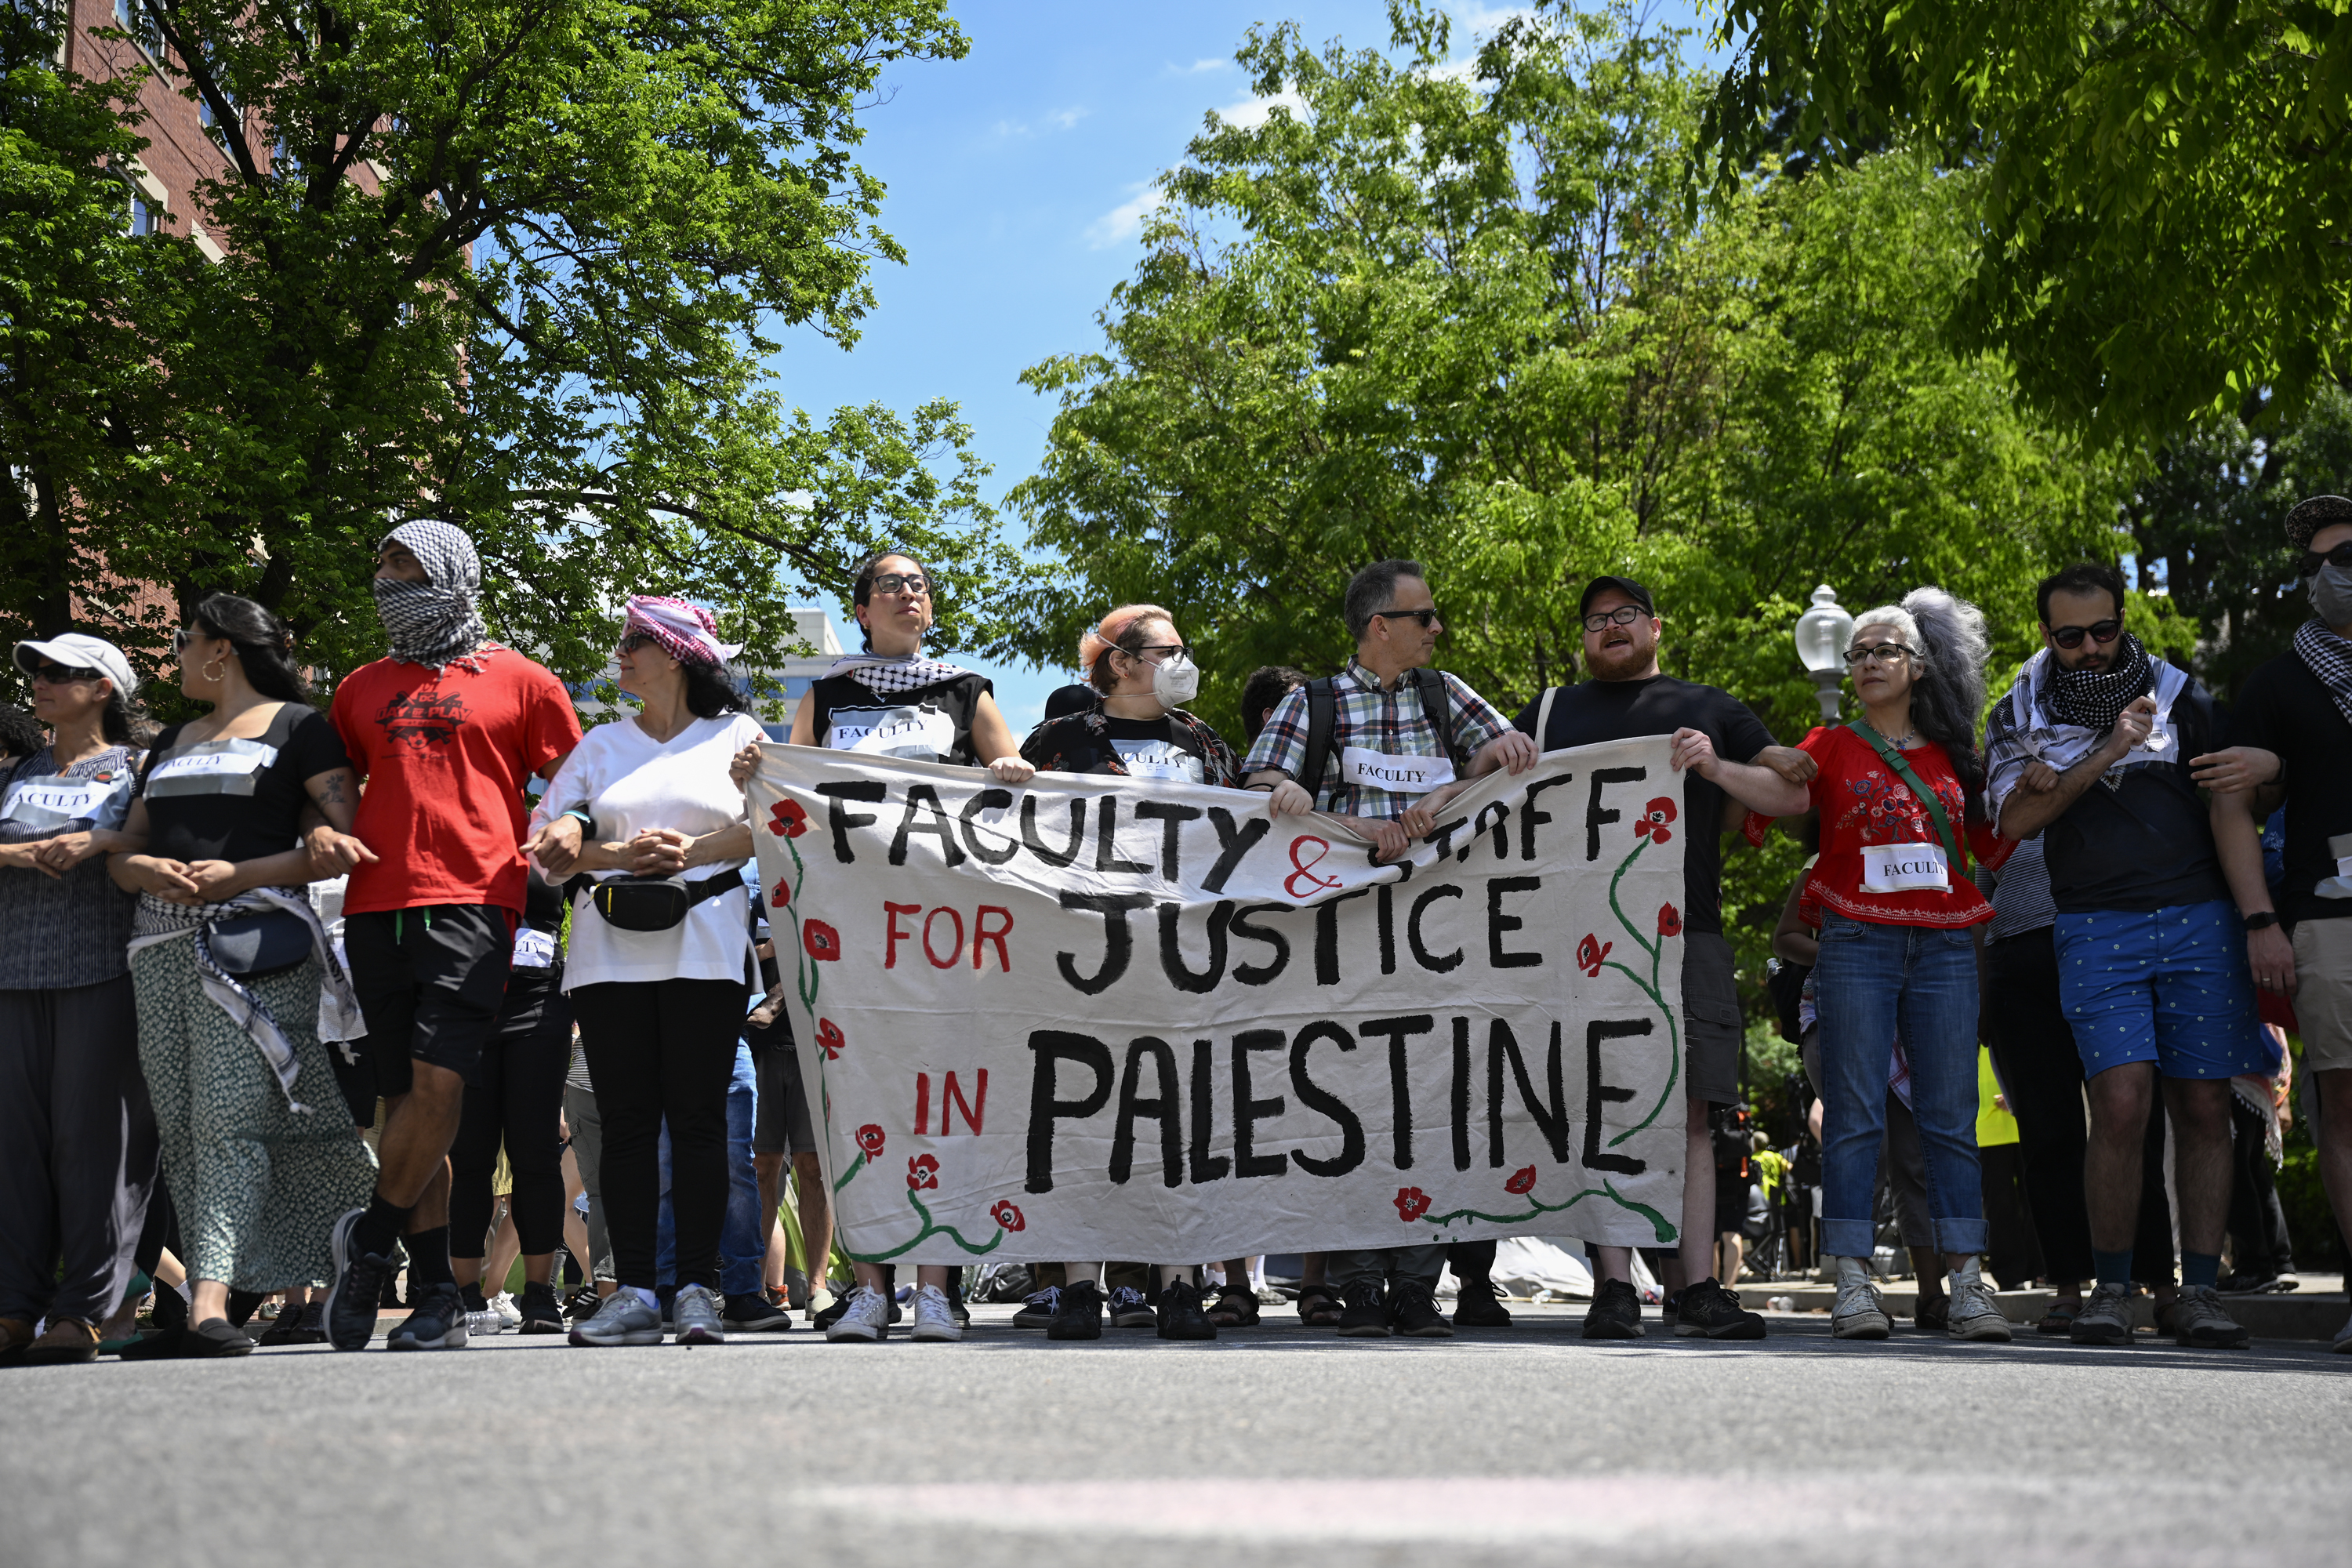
1096, 1016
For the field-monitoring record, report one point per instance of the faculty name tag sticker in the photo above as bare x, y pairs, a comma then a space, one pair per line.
215, 767
1366, 768
917, 733
58, 799
1158, 760
1905, 869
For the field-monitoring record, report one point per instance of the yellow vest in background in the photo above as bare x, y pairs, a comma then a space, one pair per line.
1994, 1125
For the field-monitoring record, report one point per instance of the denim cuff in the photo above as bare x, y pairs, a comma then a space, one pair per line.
1848, 1237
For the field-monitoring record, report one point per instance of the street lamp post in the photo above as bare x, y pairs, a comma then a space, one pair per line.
1821, 634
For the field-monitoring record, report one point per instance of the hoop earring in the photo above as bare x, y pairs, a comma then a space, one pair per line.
209, 673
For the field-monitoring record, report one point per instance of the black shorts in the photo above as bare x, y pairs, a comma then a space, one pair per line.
782, 1124
430, 981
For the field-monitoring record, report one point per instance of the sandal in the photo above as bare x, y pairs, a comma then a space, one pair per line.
2058, 1320
1235, 1308
1318, 1306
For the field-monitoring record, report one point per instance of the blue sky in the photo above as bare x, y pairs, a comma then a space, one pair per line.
1017, 179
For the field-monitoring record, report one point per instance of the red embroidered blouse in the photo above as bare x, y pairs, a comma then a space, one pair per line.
1862, 801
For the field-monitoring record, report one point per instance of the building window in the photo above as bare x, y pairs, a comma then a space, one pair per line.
145, 216
133, 17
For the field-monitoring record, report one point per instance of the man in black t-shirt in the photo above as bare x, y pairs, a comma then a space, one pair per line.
2090, 750
2293, 726
1716, 742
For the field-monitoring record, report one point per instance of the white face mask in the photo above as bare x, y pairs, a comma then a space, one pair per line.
2331, 595
1176, 682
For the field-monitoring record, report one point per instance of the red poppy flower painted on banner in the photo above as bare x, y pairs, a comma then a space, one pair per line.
1590, 951
787, 819
821, 941
1007, 1215
922, 1171
1412, 1203
782, 895
1652, 824
1522, 1180
870, 1138
1670, 921
829, 1040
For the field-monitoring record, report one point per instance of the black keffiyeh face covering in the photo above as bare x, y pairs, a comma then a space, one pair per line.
434, 623
2330, 658
2096, 699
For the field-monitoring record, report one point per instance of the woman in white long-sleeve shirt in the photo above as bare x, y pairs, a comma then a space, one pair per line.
658, 970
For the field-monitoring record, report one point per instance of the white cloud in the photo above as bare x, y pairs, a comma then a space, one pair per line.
1125, 221
1052, 121
1249, 113
1067, 118
1214, 63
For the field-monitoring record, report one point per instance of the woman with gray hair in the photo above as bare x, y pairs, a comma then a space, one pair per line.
1900, 797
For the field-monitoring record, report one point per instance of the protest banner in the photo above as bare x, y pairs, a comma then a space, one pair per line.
1095, 1017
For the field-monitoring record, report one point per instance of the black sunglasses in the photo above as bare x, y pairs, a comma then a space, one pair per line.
2340, 558
2100, 632
1423, 616
61, 674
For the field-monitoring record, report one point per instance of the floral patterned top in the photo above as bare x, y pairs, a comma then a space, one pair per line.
1863, 801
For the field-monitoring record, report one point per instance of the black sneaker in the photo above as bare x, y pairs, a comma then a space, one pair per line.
752, 1314
361, 1280
1181, 1314
540, 1312
437, 1322
831, 1315
1079, 1315
1478, 1307
214, 1337
1038, 1308
582, 1304
1615, 1312
1130, 1309
1363, 1315
1710, 1312
1415, 1316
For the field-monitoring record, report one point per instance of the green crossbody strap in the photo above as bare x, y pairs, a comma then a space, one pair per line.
1893, 759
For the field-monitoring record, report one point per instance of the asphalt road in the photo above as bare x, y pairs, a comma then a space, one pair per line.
1273, 1446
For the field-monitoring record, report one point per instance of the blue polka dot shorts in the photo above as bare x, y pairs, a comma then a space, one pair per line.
2168, 987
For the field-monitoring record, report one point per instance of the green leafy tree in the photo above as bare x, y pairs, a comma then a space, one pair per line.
1477, 320
2168, 188
516, 266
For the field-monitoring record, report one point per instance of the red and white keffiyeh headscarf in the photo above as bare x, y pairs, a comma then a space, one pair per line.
685, 632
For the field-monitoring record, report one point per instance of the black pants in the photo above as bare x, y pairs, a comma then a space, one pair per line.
662, 1049
2258, 1235
2012, 1249
517, 1099
2042, 1073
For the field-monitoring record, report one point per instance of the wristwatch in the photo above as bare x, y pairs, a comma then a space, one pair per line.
2262, 919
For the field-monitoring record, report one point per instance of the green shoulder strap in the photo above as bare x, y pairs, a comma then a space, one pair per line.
1927, 798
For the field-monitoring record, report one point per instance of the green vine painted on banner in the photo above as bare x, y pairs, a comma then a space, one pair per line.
1412, 1203
1651, 828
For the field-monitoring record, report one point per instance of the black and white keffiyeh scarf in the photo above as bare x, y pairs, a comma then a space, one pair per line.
883, 676
2330, 658
436, 623
2096, 699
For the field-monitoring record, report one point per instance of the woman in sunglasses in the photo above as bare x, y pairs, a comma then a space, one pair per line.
77, 1163
1900, 799
230, 963
1142, 675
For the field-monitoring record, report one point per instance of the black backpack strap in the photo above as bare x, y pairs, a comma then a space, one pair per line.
1322, 722
1438, 702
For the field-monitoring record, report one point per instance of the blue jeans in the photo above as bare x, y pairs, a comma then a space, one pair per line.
1873, 984
742, 1258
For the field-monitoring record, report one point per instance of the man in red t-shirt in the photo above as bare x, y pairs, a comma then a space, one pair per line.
446, 732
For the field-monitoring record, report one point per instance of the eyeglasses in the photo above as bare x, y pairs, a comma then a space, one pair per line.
1423, 616
2097, 631
1169, 652
1876, 653
1622, 615
912, 583
2340, 558
62, 675
183, 637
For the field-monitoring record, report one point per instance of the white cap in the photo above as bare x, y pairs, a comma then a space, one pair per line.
77, 650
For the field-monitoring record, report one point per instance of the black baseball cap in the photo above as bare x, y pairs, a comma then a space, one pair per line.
1625, 585
2310, 516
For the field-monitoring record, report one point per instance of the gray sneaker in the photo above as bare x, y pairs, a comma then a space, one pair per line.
867, 1318
623, 1320
1859, 1314
2106, 1318
1973, 1315
2200, 1323
696, 1314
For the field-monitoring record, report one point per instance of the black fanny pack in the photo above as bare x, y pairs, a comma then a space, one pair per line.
253, 946
654, 903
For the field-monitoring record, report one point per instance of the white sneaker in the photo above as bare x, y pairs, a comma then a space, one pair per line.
819, 1301
935, 1317
509, 1315
1974, 1313
867, 1318
1859, 1314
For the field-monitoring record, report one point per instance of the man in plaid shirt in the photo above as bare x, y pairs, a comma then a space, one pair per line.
1389, 770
